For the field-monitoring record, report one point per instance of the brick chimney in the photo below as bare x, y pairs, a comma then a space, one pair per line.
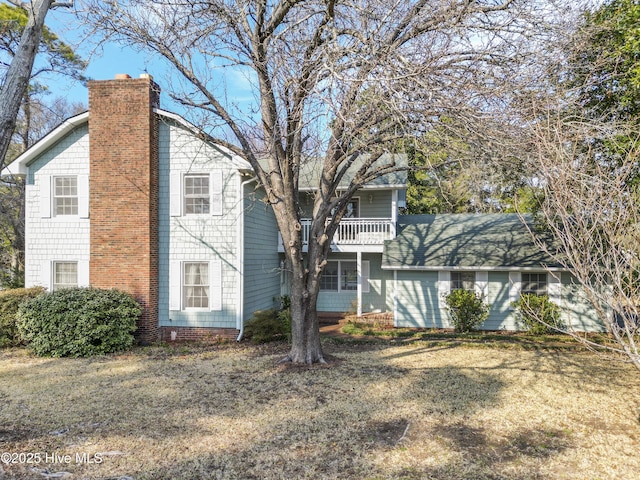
123, 198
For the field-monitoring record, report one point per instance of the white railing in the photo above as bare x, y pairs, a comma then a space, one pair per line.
354, 231
363, 231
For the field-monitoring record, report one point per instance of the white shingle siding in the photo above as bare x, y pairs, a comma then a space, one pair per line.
55, 238
202, 238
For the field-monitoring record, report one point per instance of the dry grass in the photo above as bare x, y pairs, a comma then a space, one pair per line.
413, 411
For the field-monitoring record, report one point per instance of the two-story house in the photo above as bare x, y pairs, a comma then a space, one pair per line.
133, 197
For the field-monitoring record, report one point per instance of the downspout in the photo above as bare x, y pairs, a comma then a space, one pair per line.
240, 256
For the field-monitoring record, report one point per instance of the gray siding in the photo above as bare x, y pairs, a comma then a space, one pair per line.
261, 259
378, 207
64, 238
577, 312
198, 237
418, 306
501, 316
378, 299
417, 301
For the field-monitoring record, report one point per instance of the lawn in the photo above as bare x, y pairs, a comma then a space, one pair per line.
380, 410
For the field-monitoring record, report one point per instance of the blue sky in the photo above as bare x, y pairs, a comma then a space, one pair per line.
104, 62
112, 58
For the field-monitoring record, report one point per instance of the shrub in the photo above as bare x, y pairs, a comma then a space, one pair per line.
269, 325
10, 301
79, 322
467, 310
538, 314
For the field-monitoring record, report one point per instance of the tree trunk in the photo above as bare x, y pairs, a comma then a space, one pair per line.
305, 329
19, 73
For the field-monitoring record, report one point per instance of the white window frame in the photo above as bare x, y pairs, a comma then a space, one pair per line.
48, 197
54, 271
206, 197
445, 284
177, 197
186, 286
462, 273
364, 277
554, 286
355, 202
177, 292
59, 197
536, 291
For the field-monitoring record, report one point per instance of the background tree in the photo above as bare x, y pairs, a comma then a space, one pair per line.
582, 136
16, 80
25, 113
340, 83
35, 119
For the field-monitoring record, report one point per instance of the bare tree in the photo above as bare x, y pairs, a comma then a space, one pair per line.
591, 222
16, 81
341, 83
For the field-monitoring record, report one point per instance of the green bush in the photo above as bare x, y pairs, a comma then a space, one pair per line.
10, 301
79, 322
538, 314
467, 310
269, 325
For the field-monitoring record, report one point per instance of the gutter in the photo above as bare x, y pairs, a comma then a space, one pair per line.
240, 256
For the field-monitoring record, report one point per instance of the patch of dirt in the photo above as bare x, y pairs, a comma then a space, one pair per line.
289, 367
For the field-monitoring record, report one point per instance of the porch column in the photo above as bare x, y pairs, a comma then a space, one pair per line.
359, 289
394, 212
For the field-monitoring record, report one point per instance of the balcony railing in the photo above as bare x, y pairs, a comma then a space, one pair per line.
355, 231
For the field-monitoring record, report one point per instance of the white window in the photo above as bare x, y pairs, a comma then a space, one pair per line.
535, 283
463, 281
65, 275
448, 281
195, 285
348, 276
65, 196
342, 276
196, 194
538, 283
353, 209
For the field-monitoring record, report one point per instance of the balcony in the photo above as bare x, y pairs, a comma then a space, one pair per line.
353, 234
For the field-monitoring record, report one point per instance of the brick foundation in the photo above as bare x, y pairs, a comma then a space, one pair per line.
123, 198
383, 319
198, 334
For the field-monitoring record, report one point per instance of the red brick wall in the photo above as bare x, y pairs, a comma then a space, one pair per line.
199, 334
123, 192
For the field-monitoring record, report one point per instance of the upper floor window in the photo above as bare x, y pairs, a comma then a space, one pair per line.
196, 194
535, 283
463, 281
65, 275
65, 196
353, 209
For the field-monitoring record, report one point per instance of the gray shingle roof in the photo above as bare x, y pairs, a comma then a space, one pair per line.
469, 241
311, 168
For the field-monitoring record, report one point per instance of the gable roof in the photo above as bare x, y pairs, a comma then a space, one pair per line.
20, 165
311, 169
465, 242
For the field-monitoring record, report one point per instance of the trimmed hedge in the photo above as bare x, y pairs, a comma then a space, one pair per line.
10, 301
79, 322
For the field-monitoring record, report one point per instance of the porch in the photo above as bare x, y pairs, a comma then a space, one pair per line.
353, 234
